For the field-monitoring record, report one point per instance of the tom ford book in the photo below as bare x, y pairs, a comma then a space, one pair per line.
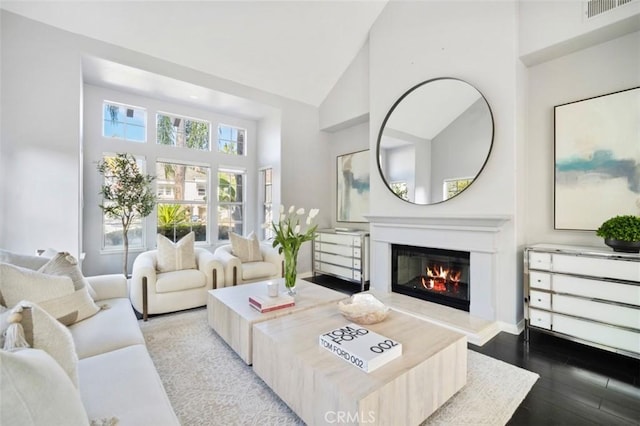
361, 347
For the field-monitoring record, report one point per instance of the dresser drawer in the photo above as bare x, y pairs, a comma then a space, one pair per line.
540, 280
539, 299
539, 260
540, 319
597, 311
597, 333
598, 268
603, 290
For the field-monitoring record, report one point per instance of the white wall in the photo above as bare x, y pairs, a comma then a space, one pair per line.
474, 41
41, 99
348, 102
550, 29
41, 82
573, 77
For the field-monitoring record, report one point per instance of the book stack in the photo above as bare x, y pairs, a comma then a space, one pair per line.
267, 304
361, 347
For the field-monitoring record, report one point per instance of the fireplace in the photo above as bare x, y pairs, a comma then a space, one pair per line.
432, 274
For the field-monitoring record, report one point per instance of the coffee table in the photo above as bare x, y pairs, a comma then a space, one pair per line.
322, 388
230, 315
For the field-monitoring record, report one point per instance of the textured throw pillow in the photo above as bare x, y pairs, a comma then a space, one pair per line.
176, 256
64, 264
246, 249
22, 260
42, 331
36, 391
71, 308
18, 284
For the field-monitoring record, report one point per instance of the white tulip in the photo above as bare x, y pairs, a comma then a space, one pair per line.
313, 213
296, 230
282, 217
308, 220
300, 211
281, 208
292, 209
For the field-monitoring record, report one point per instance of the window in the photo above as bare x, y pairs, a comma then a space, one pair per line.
182, 132
453, 187
182, 199
230, 202
231, 140
124, 122
267, 202
112, 227
400, 189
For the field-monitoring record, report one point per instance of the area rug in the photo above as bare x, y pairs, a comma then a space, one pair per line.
208, 384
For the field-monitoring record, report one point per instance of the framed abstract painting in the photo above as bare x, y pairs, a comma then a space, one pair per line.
353, 187
597, 160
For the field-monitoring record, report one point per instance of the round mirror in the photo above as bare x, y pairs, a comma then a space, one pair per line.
435, 141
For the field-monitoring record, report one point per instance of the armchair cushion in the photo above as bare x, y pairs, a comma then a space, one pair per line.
256, 270
176, 256
180, 280
246, 249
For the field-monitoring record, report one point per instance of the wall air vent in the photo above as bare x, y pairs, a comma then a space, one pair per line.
594, 8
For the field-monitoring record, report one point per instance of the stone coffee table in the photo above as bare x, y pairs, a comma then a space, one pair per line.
230, 315
323, 389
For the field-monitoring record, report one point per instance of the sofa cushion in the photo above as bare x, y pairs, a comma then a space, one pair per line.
18, 284
124, 383
255, 270
36, 391
42, 331
23, 260
176, 256
180, 280
64, 264
108, 330
246, 249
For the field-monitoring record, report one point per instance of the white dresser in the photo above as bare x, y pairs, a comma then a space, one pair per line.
586, 294
343, 254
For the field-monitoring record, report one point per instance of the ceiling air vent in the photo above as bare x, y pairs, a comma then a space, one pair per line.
598, 7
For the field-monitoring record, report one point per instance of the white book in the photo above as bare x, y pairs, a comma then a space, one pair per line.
361, 347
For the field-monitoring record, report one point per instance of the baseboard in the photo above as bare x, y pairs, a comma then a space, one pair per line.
510, 328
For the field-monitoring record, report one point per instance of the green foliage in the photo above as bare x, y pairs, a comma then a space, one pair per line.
175, 232
171, 214
126, 192
623, 228
165, 131
288, 236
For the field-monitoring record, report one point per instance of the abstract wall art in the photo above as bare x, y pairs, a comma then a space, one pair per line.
597, 160
353, 187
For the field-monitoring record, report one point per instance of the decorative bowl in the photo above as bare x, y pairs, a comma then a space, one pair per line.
363, 309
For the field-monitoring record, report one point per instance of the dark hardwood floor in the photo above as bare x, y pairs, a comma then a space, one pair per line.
578, 384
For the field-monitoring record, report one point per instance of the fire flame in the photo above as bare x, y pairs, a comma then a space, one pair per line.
437, 277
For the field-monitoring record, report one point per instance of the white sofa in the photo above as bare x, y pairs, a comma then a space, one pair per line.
153, 292
116, 375
117, 379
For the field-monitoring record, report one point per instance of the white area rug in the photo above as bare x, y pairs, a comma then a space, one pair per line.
208, 384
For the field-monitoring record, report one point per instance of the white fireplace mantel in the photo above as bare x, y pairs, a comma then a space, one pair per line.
480, 235
478, 223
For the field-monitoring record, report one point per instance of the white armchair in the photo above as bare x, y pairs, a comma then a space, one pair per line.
152, 292
237, 272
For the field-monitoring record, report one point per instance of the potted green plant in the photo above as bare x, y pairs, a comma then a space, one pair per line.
621, 233
127, 194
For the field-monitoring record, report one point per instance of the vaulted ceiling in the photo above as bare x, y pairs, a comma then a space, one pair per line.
295, 49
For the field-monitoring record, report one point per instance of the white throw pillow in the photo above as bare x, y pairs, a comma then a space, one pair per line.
71, 308
64, 264
23, 260
36, 391
18, 284
246, 249
42, 331
176, 256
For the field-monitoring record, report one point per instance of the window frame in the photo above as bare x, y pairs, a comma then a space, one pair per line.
238, 171
182, 119
235, 153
